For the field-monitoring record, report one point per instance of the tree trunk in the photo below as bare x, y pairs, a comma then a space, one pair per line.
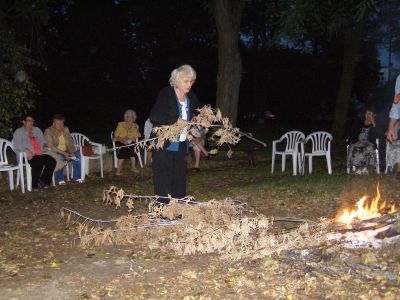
352, 41
228, 14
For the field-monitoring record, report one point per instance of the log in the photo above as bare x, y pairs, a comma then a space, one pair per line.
374, 232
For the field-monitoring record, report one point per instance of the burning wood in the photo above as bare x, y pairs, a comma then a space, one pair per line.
366, 210
369, 224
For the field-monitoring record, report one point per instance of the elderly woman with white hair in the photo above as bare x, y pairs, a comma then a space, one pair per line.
126, 133
175, 103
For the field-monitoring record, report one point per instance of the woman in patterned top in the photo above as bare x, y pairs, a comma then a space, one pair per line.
362, 149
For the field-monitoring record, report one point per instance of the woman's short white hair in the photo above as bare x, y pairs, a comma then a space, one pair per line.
130, 113
180, 73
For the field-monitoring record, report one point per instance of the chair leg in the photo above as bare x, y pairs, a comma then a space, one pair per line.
28, 178
11, 180
283, 162
21, 178
83, 168
310, 164
378, 171
101, 166
294, 159
139, 158
273, 163
299, 164
329, 163
87, 166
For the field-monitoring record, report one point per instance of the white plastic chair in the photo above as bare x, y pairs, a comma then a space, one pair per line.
353, 168
23, 162
5, 145
320, 146
80, 140
136, 149
292, 140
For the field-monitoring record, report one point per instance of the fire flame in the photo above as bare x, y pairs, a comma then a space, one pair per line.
366, 210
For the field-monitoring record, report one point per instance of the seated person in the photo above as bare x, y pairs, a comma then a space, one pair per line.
29, 139
362, 148
198, 142
126, 133
59, 140
393, 152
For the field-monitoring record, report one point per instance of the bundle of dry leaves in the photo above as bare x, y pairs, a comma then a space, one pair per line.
207, 117
225, 227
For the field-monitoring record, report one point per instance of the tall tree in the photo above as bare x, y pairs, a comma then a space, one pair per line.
228, 14
345, 18
352, 42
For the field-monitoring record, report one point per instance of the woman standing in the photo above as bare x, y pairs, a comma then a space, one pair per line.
175, 103
30, 139
126, 133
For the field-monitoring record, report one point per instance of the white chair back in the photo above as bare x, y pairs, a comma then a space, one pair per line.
4, 146
320, 141
292, 138
5, 166
79, 138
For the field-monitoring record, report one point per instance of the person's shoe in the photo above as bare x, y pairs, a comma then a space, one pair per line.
135, 170
62, 182
79, 181
196, 170
364, 171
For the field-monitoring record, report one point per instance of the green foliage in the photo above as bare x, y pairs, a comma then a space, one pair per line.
15, 87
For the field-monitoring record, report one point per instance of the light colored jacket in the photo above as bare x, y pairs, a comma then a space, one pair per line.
21, 141
51, 138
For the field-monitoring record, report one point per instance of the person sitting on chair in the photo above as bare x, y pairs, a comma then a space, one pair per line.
362, 148
126, 133
59, 140
29, 139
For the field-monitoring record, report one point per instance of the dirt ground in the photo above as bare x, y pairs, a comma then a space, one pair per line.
39, 260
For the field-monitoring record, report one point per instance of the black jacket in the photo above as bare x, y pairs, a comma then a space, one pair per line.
165, 110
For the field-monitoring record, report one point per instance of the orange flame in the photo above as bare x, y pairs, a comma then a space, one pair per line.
365, 210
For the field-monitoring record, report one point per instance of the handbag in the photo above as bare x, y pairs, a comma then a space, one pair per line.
87, 149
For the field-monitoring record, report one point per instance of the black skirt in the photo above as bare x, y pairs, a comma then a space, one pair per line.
126, 152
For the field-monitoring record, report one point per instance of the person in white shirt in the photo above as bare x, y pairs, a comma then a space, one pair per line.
394, 114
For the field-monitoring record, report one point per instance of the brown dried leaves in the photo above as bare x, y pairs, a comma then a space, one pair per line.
207, 117
222, 227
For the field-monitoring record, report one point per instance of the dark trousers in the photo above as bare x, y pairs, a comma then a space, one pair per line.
42, 168
169, 172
